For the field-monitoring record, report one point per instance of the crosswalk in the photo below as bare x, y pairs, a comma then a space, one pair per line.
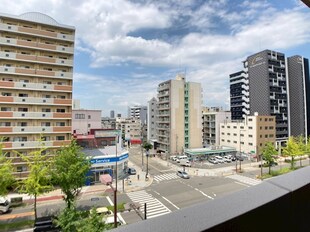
244, 179
154, 207
166, 176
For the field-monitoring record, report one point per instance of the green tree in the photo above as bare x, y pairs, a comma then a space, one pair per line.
69, 171
147, 146
269, 153
292, 150
6, 173
300, 140
38, 181
72, 220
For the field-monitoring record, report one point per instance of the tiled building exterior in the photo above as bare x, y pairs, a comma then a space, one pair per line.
36, 67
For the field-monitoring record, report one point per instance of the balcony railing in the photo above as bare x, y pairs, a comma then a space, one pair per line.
35, 129
36, 45
35, 100
35, 86
33, 144
35, 72
34, 115
36, 32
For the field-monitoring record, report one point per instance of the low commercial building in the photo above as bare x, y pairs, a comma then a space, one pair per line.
200, 154
105, 151
84, 120
249, 135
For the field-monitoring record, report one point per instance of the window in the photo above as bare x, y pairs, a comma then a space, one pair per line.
270, 119
62, 111
79, 116
23, 124
46, 110
250, 144
223, 133
6, 94
241, 127
22, 110
266, 119
5, 108
250, 119
45, 124
266, 127
228, 133
235, 127
250, 136
271, 128
266, 136
23, 95
88, 125
60, 137
261, 136
60, 124
89, 116
223, 140
235, 134
271, 136
3, 124
250, 128
235, 141
228, 141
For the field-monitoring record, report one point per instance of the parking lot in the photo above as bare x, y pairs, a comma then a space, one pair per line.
207, 163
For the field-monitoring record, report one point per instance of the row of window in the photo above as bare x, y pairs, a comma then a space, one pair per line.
25, 109
43, 82
81, 116
8, 94
25, 139
25, 124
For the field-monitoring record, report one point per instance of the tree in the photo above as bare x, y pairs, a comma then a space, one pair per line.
147, 146
69, 171
292, 149
38, 181
268, 153
300, 140
72, 220
6, 173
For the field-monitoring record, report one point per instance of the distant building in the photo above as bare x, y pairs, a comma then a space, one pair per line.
138, 112
272, 85
130, 129
298, 96
84, 120
179, 122
119, 115
108, 123
76, 104
152, 118
112, 114
211, 119
249, 135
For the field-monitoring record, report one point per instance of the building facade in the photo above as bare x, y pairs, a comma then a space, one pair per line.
249, 135
261, 87
152, 118
298, 95
36, 71
179, 119
84, 120
211, 119
130, 129
138, 112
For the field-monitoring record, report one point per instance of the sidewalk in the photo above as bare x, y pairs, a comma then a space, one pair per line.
134, 183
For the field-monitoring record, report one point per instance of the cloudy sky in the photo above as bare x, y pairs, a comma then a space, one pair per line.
124, 49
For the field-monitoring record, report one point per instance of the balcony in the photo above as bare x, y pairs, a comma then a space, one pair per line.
163, 87
35, 101
36, 59
36, 45
33, 144
34, 130
35, 72
35, 86
34, 115
36, 32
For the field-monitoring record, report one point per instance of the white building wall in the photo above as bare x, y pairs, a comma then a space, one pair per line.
84, 120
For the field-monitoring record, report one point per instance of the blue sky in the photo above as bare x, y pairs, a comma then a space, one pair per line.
124, 49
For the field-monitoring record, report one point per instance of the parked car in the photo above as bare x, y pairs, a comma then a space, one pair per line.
219, 158
239, 158
4, 205
131, 171
183, 174
173, 157
227, 159
272, 164
212, 160
186, 163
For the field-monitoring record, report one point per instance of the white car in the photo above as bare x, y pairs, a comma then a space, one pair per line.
219, 158
4, 205
227, 159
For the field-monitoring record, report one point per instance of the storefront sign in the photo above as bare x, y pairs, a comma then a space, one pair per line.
109, 159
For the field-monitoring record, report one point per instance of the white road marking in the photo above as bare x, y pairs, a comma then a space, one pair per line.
206, 195
109, 200
170, 202
242, 184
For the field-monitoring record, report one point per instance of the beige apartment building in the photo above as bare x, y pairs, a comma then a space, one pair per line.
249, 135
36, 65
179, 118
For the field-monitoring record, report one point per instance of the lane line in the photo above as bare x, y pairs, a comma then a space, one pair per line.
242, 184
170, 202
109, 200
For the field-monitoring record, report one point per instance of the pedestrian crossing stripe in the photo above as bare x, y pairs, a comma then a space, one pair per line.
244, 179
166, 176
154, 207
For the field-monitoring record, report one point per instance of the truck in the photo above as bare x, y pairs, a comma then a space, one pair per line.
4, 205
185, 162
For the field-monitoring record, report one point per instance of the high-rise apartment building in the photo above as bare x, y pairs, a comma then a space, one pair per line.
298, 95
152, 118
36, 66
272, 85
211, 119
138, 112
179, 119
261, 87
112, 114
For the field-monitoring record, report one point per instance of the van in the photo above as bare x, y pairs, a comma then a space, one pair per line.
182, 157
4, 205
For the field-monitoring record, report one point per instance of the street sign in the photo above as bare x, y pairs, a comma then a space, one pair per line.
94, 199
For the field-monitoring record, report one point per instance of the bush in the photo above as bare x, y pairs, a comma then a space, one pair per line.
120, 207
